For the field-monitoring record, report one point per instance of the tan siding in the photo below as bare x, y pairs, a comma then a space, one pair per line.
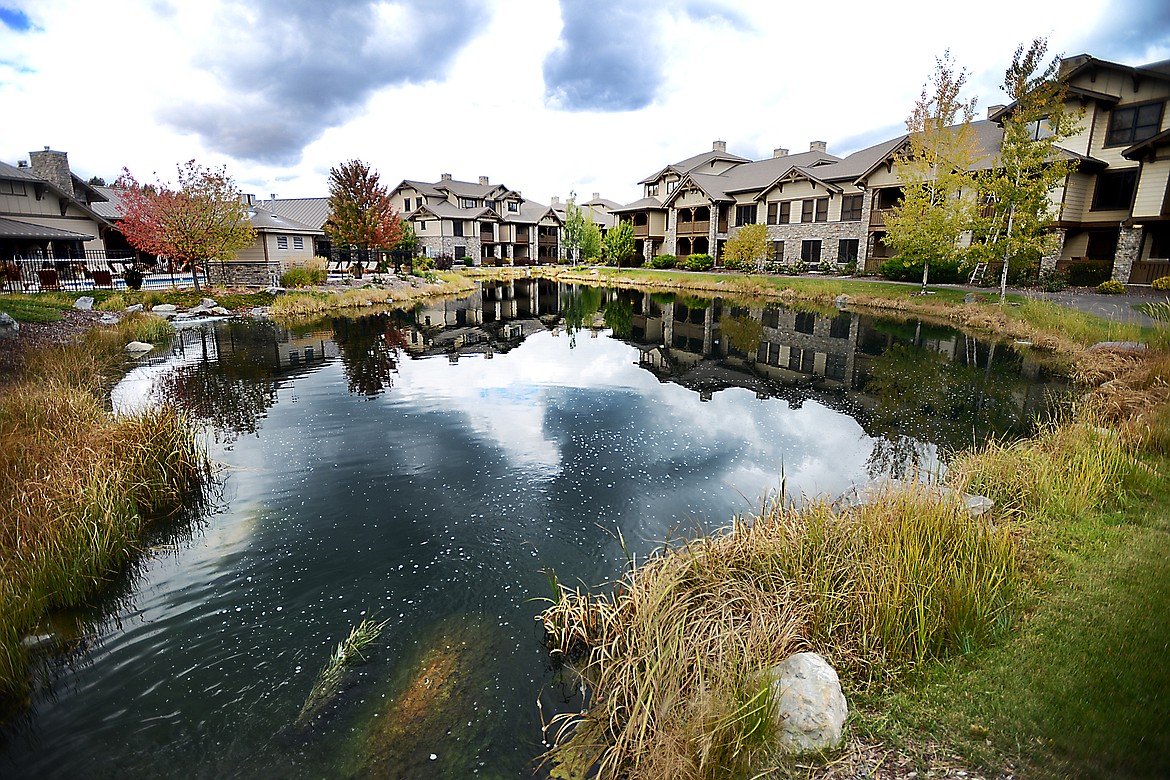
254, 252
1078, 196
1151, 191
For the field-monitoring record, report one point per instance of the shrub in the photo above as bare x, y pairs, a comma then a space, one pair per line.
663, 261
1053, 280
422, 264
700, 262
1161, 283
304, 276
1111, 287
905, 270
825, 267
443, 263
1088, 274
796, 267
850, 269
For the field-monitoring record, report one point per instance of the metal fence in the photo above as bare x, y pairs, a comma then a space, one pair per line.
95, 270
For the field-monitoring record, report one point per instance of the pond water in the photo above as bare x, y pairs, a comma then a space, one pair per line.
424, 468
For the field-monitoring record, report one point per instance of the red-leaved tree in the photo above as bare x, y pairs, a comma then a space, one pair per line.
361, 215
198, 220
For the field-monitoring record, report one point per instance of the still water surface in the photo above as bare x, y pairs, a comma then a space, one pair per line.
425, 467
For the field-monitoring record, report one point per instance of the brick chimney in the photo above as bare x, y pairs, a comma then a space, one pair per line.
483, 180
53, 167
779, 151
719, 146
444, 177
819, 146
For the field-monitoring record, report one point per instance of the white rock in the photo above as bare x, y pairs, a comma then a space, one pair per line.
1129, 346
275, 290
9, 328
135, 307
108, 319
84, 303
164, 308
138, 347
810, 707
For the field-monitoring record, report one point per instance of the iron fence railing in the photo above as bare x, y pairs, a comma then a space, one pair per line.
92, 270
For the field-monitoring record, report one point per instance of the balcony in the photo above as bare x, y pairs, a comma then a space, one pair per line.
697, 228
877, 217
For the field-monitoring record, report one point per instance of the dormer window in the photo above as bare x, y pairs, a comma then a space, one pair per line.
467, 203
514, 206
1132, 124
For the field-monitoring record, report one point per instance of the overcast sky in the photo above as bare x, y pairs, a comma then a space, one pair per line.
543, 96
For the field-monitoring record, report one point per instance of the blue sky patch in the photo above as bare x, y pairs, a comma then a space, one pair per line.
14, 19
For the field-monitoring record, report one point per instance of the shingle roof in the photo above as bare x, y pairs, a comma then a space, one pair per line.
641, 205
11, 228
267, 222
761, 173
604, 203
691, 163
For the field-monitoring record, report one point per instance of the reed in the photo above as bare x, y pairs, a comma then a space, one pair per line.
673, 655
79, 485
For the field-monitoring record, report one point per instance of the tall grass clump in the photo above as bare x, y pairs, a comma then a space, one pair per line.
309, 274
674, 656
78, 486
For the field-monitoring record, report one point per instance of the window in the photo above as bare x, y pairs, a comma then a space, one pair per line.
513, 206
778, 251
12, 188
847, 250
670, 186
822, 210
1133, 123
491, 204
282, 242
458, 227
1115, 190
1039, 129
467, 203
785, 212
772, 213
406, 204
806, 321
810, 250
806, 211
835, 366
298, 242
745, 215
851, 208
651, 190
422, 227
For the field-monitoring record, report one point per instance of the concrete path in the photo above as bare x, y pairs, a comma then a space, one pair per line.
1116, 308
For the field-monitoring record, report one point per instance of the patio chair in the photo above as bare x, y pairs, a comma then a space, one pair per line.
102, 279
48, 279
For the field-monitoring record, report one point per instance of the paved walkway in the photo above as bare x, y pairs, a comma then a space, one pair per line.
1117, 308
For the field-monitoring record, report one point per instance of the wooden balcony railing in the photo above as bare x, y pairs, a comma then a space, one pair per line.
701, 228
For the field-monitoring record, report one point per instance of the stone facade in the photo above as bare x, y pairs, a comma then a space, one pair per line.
1129, 244
53, 167
244, 273
1049, 260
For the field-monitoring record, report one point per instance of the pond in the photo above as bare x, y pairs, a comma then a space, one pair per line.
426, 468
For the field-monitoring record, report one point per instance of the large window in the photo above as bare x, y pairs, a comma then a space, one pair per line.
851, 208
513, 206
778, 251
806, 211
822, 214
847, 250
810, 251
1133, 123
745, 215
12, 188
467, 203
1115, 190
785, 212
458, 225
772, 210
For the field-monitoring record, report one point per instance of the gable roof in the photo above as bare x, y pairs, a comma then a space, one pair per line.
11, 228
642, 204
265, 221
691, 163
313, 212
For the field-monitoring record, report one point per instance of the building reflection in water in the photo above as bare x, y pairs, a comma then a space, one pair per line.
912, 386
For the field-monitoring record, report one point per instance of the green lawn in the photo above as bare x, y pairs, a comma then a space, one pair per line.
47, 307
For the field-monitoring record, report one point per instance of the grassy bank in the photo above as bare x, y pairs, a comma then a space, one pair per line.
47, 306
78, 484
1027, 642
303, 304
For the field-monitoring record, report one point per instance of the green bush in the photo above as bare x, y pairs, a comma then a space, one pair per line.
700, 262
904, 270
825, 267
1052, 280
303, 276
663, 261
734, 264
1111, 287
1088, 274
796, 268
1161, 283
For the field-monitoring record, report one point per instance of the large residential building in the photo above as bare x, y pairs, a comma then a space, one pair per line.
1113, 211
479, 222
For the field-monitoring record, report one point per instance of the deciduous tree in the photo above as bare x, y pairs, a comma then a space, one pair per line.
361, 215
619, 243
574, 228
591, 240
1015, 227
939, 200
201, 219
748, 248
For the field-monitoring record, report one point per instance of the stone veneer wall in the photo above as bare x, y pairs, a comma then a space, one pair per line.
1129, 244
445, 245
244, 273
1049, 260
829, 234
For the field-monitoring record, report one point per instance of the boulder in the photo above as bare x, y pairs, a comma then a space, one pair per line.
164, 308
1127, 346
842, 301
138, 347
135, 307
108, 319
219, 311
259, 312
84, 303
275, 290
9, 328
810, 707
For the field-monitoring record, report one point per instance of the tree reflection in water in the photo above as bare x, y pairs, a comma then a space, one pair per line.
370, 350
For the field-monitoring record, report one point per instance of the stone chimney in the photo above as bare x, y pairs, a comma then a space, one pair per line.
444, 177
53, 167
779, 151
483, 180
597, 196
719, 146
556, 200
992, 109
819, 146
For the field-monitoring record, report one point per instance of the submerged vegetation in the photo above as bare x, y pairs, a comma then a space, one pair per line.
78, 485
349, 652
